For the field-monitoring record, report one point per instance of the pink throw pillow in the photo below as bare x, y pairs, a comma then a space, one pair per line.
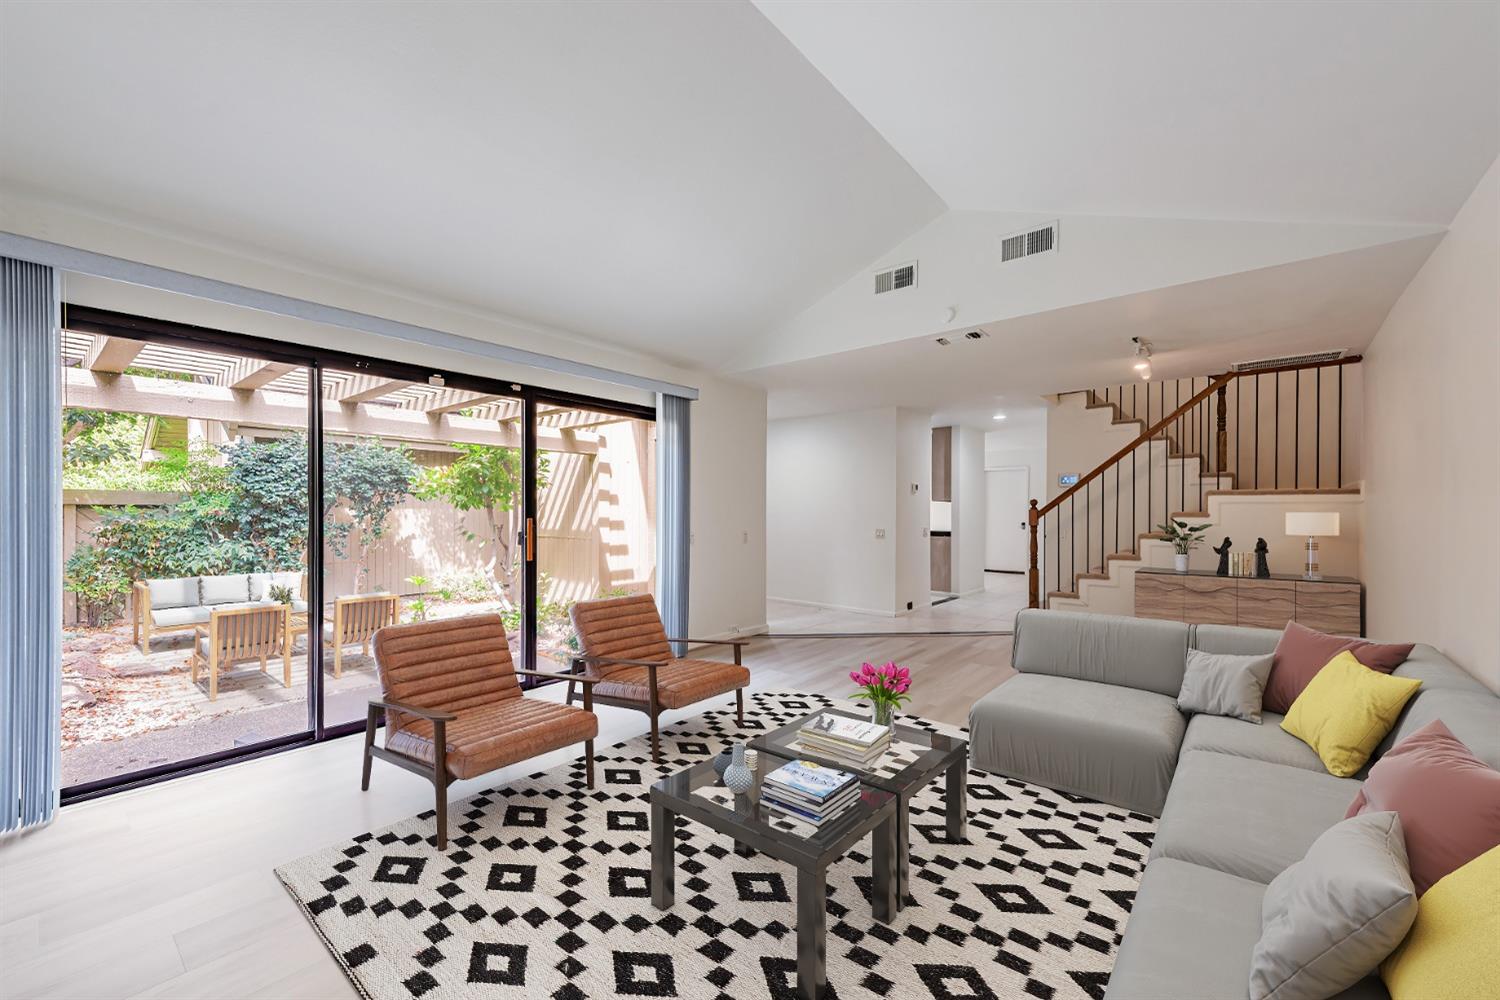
1302, 652
1448, 801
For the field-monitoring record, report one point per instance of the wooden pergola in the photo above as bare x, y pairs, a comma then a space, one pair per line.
245, 392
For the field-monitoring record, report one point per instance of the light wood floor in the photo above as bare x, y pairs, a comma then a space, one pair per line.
169, 892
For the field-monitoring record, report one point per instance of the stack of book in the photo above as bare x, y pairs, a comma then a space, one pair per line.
845, 740
809, 792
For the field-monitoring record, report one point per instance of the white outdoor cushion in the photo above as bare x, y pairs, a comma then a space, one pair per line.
261, 583
173, 617
224, 589
178, 592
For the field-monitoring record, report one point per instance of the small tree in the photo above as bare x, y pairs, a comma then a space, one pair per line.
489, 479
369, 480
98, 584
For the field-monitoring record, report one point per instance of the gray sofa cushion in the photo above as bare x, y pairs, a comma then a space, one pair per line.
178, 592
175, 617
1224, 684
1330, 920
1267, 741
224, 589
1132, 652
1190, 937
1435, 670
1473, 718
1236, 639
1247, 817
1115, 744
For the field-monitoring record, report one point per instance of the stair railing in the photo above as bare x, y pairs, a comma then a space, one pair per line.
1219, 426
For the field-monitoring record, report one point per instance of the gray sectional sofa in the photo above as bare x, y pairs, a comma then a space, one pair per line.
1093, 712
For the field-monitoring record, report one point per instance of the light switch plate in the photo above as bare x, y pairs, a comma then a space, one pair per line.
879, 532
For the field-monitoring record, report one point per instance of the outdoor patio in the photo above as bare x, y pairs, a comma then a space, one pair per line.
183, 463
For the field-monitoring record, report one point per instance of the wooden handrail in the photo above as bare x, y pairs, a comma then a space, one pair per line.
1035, 513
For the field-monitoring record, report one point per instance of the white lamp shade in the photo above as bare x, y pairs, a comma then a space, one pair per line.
1309, 523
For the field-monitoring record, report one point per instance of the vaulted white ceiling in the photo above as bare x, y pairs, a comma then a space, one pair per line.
711, 183
1376, 111
671, 178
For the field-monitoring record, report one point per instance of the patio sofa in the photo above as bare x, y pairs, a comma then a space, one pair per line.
183, 603
1093, 712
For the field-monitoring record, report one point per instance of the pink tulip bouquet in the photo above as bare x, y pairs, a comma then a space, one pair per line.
884, 688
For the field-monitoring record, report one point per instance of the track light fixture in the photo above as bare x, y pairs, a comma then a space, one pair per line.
1142, 358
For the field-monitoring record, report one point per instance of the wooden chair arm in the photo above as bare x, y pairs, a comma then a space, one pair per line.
713, 642
578, 678
651, 664
429, 714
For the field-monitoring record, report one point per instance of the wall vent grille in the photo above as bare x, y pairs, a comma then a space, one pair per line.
896, 278
1287, 361
1028, 243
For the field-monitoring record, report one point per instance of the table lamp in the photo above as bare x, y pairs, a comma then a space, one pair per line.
1312, 524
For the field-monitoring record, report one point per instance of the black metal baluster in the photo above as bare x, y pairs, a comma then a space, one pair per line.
1297, 428
1276, 426
1257, 430
1073, 544
1340, 483
1117, 508
1317, 428
1086, 526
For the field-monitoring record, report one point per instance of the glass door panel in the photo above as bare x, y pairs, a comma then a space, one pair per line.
595, 531
185, 528
422, 489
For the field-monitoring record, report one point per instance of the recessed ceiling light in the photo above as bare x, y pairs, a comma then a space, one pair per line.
999, 416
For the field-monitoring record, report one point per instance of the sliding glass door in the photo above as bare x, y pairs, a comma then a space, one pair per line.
185, 545
236, 510
423, 488
594, 533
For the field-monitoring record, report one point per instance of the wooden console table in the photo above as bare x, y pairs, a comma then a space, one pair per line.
1333, 604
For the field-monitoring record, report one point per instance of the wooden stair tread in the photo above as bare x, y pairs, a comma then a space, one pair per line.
1132, 556
1288, 492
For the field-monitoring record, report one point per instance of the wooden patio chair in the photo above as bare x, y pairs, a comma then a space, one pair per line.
627, 655
239, 635
356, 619
454, 708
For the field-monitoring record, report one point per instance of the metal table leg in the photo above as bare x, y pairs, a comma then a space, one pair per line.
885, 861
956, 803
663, 855
812, 927
903, 849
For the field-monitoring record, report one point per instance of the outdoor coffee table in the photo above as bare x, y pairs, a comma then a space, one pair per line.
699, 794
915, 757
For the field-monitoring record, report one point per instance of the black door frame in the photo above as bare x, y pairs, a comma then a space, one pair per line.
87, 319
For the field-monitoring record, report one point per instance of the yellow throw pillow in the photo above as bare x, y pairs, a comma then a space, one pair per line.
1450, 950
1346, 710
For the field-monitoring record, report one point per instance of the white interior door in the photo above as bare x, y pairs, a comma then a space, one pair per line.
1005, 533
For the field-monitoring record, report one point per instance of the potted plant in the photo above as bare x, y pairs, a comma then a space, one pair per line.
1183, 539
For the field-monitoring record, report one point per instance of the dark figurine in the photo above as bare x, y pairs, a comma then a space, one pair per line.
1262, 568
1223, 551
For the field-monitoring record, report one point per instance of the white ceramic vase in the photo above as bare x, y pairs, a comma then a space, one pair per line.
1180, 561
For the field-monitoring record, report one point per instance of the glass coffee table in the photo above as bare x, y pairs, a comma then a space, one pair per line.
699, 794
915, 757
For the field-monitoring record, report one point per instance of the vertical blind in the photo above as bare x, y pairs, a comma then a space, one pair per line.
673, 528
30, 544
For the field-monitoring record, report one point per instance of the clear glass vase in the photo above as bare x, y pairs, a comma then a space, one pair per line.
883, 713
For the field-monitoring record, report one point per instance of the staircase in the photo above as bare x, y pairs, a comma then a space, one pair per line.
1231, 449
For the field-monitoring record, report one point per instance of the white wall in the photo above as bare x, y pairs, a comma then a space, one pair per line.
970, 512
832, 482
830, 486
1021, 442
1432, 462
913, 510
728, 476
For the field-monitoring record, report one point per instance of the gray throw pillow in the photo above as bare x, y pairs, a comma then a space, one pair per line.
1329, 920
1224, 684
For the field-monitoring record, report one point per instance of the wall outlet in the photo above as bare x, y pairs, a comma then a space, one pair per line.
879, 532
908, 605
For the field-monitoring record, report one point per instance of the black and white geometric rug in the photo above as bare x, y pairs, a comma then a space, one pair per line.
544, 892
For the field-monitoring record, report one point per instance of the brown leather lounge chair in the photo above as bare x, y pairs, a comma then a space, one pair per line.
454, 708
627, 656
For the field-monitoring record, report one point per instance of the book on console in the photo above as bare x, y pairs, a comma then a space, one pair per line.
839, 729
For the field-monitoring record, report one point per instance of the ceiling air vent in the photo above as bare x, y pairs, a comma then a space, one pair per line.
1028, 243
1289, 361
897, 278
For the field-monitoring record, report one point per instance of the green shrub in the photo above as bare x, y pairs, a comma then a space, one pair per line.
99, 586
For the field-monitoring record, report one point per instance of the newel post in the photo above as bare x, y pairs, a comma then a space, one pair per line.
1222, 456
1033, 579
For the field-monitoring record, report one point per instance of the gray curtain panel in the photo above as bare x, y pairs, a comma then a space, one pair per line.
30, 544
673, 528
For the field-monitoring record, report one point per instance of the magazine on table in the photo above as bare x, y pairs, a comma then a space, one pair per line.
812, 780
